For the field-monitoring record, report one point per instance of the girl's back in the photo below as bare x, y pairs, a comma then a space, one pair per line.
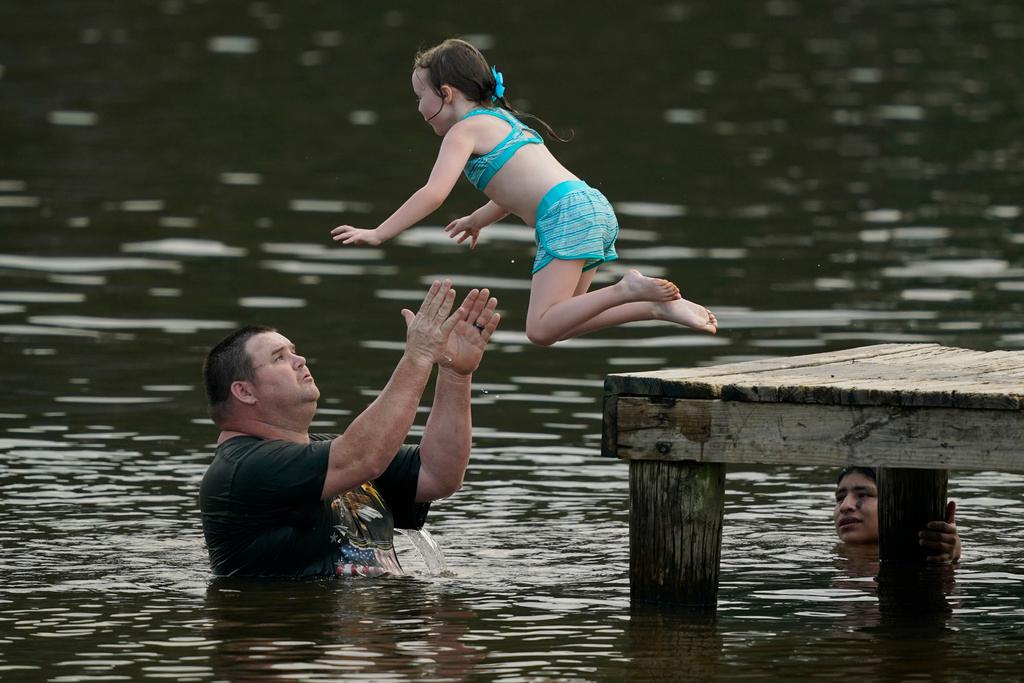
525, 177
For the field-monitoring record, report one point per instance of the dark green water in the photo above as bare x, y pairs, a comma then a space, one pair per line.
822, 175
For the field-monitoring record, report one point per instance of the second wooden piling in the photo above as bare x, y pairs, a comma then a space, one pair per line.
907, 500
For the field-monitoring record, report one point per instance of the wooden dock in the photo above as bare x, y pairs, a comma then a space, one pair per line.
912, 410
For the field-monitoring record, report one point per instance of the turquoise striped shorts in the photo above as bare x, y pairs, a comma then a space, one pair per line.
575, 221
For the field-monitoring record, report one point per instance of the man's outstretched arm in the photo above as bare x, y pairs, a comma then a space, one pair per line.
445, 446
369, 444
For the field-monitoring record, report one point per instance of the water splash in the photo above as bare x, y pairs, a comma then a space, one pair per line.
429, 550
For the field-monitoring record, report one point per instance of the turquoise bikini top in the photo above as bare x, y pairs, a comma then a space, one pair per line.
480, 169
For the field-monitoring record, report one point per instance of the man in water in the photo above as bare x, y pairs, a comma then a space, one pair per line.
276, 501
856, 517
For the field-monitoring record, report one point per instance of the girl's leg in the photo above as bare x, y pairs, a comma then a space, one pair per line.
586, 277
553, 284
560, 306
681, 311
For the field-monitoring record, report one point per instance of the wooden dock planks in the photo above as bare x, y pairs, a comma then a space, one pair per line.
897, 405
925, 375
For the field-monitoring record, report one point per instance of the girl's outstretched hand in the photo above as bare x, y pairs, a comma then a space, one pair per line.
463, 228
347, 234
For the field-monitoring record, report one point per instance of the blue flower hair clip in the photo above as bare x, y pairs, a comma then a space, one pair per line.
499, 85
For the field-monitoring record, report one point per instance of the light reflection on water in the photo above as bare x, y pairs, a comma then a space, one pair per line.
535, 561
83, 265
820, 176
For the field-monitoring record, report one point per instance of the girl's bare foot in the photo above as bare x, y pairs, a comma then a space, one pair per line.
639, 287
687, 313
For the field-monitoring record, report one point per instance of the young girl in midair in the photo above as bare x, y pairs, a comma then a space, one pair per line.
463, 100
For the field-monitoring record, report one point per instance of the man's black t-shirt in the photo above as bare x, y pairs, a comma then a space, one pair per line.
263, 516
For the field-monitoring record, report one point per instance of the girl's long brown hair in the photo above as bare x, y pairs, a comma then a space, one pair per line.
460, 65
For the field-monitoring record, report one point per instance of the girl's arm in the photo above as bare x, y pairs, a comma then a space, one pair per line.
488, 213
471, 225
451, 158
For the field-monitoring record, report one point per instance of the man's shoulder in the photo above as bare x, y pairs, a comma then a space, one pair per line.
233, 441
246, 445
244, 459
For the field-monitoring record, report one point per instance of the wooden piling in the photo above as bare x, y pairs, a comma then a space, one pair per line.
675, 532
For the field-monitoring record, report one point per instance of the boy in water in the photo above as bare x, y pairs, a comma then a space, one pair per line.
856, 517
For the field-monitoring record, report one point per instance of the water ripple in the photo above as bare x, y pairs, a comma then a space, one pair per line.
497, 232
73, 264
321, 251
965, 268
110, 400
237, 45
649, 209
271, 302
91, 323
43, 331
183, 247
328, 206
73, 118
43, 297
308, 268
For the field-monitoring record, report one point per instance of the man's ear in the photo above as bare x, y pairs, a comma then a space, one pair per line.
242, 391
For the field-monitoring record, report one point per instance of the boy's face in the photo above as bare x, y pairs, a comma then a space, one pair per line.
856, 511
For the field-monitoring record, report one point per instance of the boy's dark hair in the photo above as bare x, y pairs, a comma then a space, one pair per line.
868, 472
459, 64
228, 362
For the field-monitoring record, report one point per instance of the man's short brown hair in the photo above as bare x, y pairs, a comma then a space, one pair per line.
226, 363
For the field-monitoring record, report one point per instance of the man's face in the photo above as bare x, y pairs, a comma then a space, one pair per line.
856, 511
281, 375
